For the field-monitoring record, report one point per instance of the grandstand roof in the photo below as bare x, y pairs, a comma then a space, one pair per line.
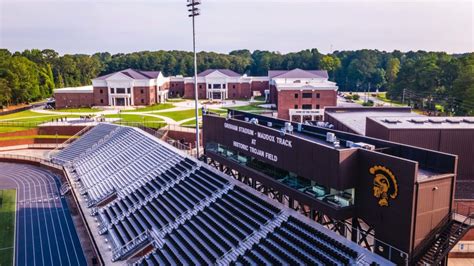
150, 197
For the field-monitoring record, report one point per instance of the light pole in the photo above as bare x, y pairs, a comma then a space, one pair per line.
193, 12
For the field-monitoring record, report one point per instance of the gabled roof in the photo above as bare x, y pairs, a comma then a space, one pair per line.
297, 73
134, 74
226, 72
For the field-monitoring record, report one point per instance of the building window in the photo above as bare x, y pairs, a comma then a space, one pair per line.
317, 106
120, 90
307, 95
200, 86
101, 101
317, 95
296, 106
208, 86
296, 95
233, 86
143, 101
112, 90
101, 91
306, 106
223, 86
128, 90
141, 91
172, 84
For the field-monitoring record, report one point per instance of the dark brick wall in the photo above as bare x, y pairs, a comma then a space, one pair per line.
286, 100
74, 100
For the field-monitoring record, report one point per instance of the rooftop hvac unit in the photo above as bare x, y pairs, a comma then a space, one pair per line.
300, 127
364, 145
330, 137
269, 124
349, 144
254, 121
288, 127
246, 119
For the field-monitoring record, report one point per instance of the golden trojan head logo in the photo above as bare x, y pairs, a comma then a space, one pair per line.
385, 184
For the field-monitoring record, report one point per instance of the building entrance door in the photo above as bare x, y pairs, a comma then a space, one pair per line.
216, 95
120, 101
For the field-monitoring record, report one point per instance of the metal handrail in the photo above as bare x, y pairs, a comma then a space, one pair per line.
166, 228
120, 251
277, 216
136, 204
30, 158
69, 140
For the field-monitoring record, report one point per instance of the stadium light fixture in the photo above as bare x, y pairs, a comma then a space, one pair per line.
194, 12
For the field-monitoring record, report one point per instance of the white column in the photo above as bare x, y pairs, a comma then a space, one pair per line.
110, 96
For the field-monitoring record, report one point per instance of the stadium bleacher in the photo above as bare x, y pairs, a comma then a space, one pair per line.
181, 211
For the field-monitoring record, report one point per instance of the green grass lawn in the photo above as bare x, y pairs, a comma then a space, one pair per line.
30, 116
176, 100
7, 226
251, 108
79, 110
156, 107
383, 97
20, 115
190, 123
153, 122
26, 120
180, 115
11, 129
36, 137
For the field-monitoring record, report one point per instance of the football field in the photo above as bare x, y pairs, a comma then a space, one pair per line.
7, 226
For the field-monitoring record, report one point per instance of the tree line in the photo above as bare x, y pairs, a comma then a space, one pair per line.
428, 79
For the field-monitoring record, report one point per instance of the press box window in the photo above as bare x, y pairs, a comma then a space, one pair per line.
296, 106
296, 95
307, 95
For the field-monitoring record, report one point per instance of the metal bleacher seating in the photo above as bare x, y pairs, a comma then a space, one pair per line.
187, 212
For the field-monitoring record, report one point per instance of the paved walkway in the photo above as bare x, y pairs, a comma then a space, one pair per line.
178, 106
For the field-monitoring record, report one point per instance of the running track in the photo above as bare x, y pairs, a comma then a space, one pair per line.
45, 233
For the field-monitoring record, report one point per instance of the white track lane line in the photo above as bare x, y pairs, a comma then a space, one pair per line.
44, 187
38, 209
70, 234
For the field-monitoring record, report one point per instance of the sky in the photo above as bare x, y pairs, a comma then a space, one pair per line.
118, 26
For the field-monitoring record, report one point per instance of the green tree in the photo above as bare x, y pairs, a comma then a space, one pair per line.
330, 63
393, 67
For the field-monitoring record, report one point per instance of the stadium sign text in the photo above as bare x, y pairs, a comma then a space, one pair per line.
256, 135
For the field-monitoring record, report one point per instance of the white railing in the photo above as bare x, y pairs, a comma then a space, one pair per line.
69, 140
31, 159
138, 204
160, 234
119, 252
253, 238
